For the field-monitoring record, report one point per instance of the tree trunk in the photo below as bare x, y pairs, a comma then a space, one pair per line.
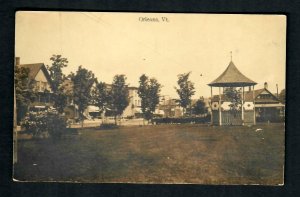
116, 120
103, 116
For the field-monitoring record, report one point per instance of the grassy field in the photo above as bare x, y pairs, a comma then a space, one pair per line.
158, 154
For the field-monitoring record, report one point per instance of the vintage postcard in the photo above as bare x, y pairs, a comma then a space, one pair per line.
149, 98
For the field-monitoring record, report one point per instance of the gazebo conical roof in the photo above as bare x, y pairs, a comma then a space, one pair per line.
232, 77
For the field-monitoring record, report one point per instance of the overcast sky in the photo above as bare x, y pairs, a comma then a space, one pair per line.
120, 43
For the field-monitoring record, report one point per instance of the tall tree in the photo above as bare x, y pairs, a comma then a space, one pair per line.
119, 95
56, 74
148, 91
57, 77
23, 90
185, 91
143, 94
83, 81
234, 96
60, 99
101, 97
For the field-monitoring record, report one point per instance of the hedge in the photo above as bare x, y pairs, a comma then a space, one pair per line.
183, 120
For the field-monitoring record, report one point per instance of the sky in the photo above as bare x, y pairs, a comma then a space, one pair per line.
126, 43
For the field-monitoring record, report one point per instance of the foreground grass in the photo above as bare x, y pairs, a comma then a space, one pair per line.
158, 154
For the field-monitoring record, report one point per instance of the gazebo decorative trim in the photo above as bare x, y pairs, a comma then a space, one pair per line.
232, 77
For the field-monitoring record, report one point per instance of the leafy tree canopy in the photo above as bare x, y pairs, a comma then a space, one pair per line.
23, 90
119, 94
199, 107
100, 95
83, 81
56, 74
234, 96
185, 90
57, 77
148, 91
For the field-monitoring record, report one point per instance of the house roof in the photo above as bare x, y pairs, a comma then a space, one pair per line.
34, 69
232, 77
249, 96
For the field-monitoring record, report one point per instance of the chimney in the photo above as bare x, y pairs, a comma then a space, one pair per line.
17, 61
266, 85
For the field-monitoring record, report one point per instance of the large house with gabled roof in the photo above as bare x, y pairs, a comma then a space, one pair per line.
41, 83
267, 106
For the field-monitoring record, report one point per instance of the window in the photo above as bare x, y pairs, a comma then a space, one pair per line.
46, 85
37, 86
43, 86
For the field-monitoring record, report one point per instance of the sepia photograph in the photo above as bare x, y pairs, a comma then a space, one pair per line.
149, 98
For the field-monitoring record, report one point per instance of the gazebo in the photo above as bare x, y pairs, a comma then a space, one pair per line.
220, 105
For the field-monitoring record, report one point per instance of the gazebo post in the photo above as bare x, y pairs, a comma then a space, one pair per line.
243, 105
254, 115
220, 111
211, 115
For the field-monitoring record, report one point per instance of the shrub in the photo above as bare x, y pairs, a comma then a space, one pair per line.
56, 125
182, 120
43, 124
108, 126
35, 124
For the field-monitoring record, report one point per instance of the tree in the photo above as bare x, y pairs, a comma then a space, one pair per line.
143, 94
282, 96
24, 91
185, 91
119, 95
57, 77
60, 101
83, 81
234, 96
199, 107
148, 91
101, 97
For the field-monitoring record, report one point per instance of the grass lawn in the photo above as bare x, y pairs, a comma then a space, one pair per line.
158, 154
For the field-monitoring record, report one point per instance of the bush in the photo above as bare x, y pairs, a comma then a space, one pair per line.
108, 126
43, 124
56, 125
182, 120
35, 124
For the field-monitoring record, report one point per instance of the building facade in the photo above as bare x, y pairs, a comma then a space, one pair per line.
41, 83
169, 107
133, 110
268, 107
